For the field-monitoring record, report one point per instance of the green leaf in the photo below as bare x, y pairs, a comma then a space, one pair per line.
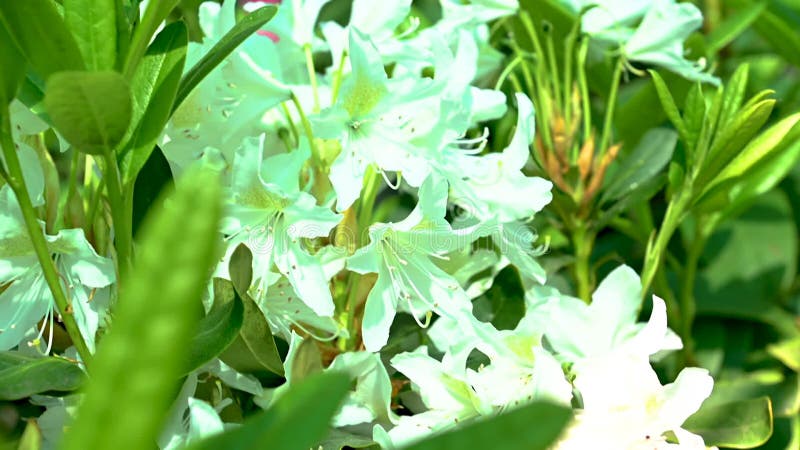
248, 25
93, 24
670, 108
733, 26
155, 176
31, 438
22, 376
13, 73
136, 371
219, 328
730, 140
154, 16
509, 431
735, 90
694, 114
780, 35
652, 154
92, 110
767, 235
154, 86
255, 334
759, 149
298, 420
742, 424
40, 33
787, 352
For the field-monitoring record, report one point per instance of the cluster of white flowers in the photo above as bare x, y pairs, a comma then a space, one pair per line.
305, 150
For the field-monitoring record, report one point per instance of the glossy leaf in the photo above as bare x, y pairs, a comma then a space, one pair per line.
298, 420
241, 31
138, 363
741, 424
22, 376
93, 24
154, 177
153, 17
218, 329
652, 154
154, 87
41, 34
92, 110
509, 431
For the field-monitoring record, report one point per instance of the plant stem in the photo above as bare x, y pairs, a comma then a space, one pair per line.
17, 184
583, 243
656, 248
312, 75
123, 239
611, 104
688, 305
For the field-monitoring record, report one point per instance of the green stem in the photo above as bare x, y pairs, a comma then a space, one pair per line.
306, 128
17, 184
123, 238
654, 255
583, 243
583, 86
688, 305
312, 75
612, 103
337, 79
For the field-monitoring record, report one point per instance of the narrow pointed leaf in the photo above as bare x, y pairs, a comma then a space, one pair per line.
668, 103
217, 330
241, 31
139, 361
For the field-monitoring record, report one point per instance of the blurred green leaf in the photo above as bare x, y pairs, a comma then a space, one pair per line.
297, 420
219, 328
92, 110
650, 156
41, 34
93, 24
136, 371
741, 424
733, 26
509, 431
728, 287
694, 114
154, 86
787, 352
735, 90
22, 376
248, 25
31, 438
154, 177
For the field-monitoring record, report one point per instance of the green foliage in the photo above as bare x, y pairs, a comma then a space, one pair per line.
296, 421
22, 376
139, 362
93, 25
742, 424
243, 29
510, 430
92, 110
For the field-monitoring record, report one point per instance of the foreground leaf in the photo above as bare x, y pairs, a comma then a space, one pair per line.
513, 430
136, 371
92, 110
40, 33
742, 424
298, 420
22, 376
93, 24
